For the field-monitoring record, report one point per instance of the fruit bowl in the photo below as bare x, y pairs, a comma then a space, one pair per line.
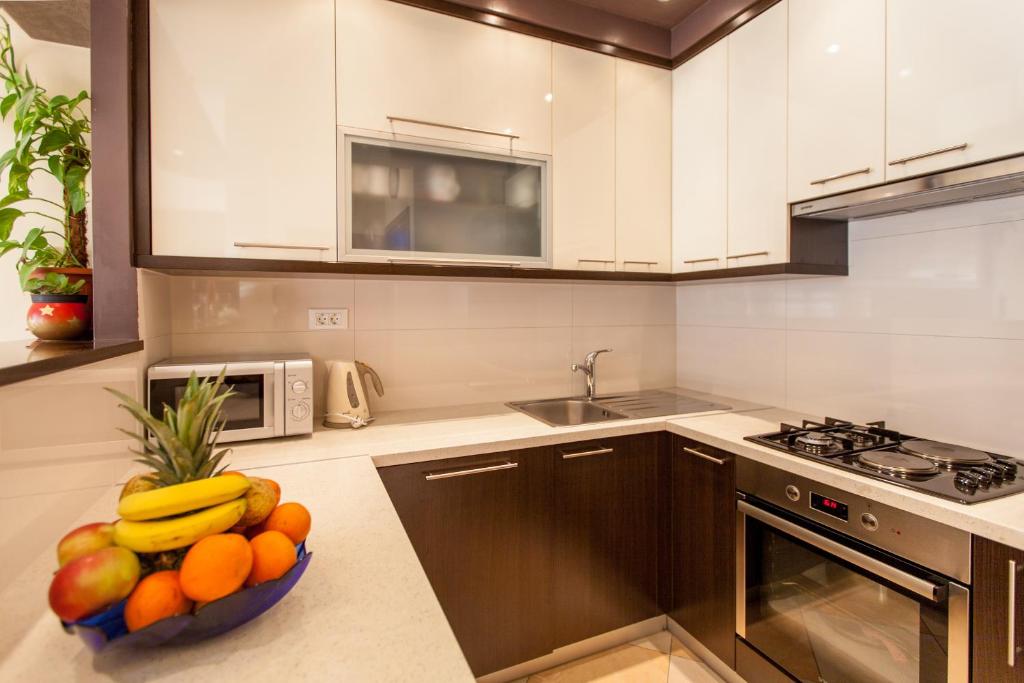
108, 628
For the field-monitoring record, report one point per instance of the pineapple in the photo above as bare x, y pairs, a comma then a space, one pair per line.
181, 446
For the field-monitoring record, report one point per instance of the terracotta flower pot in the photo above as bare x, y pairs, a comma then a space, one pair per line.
59, 316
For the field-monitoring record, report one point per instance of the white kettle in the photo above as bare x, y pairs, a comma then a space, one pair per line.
347, 404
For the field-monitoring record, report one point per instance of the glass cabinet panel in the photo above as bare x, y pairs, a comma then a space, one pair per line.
411, 201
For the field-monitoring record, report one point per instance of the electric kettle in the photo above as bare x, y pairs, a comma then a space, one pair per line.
347, 404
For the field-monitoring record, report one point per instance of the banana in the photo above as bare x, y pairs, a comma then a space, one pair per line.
178, 532
179, 498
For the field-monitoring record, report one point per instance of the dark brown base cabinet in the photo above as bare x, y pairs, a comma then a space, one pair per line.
703, 544
998, 637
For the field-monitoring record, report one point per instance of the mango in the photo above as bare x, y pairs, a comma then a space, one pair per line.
93, 582
262, 497
83, 541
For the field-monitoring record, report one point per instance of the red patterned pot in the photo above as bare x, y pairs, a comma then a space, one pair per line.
59, 316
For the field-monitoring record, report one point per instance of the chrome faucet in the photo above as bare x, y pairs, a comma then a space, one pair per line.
589, 370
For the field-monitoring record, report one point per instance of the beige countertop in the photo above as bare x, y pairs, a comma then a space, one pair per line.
364, 610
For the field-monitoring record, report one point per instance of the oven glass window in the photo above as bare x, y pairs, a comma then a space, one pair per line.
244, 410
824, 621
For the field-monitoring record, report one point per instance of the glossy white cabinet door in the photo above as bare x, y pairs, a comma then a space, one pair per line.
836, 96
583, 178
396, 60
699, 151
243, 128
955, 77
643, 168
758, 221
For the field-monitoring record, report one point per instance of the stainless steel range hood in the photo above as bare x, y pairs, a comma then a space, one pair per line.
999, 178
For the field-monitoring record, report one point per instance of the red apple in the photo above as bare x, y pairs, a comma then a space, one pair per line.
84, 540
93, 582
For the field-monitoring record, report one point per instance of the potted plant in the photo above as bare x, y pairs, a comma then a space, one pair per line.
50, 137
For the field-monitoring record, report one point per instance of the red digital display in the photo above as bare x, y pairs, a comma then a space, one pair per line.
830, 506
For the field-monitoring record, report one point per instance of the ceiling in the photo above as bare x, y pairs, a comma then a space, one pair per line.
662, 14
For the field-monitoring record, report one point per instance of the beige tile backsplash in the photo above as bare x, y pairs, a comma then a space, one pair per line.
438, 342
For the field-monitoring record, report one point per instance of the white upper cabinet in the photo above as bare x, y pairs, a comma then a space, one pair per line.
758, 230
836, 96
243, 128
400, 61
955, 83
583, 175
643, 167
699, 151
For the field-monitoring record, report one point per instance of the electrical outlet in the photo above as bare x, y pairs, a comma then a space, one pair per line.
328, 318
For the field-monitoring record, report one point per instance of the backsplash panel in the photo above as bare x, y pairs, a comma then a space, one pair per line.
927, 332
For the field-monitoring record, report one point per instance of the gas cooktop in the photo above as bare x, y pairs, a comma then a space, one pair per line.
954, 472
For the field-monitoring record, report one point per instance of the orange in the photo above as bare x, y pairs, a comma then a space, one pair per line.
291, 519
273, 554
158, 596
216, 566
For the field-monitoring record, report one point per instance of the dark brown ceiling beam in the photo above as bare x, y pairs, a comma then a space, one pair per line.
710, 23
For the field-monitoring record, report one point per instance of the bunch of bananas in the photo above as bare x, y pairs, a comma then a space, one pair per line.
177, 516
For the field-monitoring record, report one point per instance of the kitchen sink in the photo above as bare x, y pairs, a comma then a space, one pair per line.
566, 412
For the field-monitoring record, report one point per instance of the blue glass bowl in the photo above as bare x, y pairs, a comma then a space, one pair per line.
108, 629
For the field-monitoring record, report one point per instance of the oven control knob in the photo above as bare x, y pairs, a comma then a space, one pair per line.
793, 493
299, 387
300, 411
966, 483
984, 477
869, 521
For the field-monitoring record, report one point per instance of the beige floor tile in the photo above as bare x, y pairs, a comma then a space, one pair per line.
623, 664
689, 671
680, 650
661, 642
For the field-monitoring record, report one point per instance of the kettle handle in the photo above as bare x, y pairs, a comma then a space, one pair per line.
365, 369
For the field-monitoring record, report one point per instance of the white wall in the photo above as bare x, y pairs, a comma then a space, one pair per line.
61, 69
440, 342
927, 332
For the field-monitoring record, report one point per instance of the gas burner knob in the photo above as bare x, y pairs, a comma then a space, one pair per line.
965, 483
983, 475
869, 521
793, 493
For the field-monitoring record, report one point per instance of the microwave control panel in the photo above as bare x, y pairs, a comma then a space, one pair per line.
298, 397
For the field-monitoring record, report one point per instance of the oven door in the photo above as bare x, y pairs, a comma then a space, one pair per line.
254, 412
827, 609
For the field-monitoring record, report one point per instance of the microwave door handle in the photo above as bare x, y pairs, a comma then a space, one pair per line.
273, 395
926, 589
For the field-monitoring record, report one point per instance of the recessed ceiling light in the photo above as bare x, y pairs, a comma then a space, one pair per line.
832, 49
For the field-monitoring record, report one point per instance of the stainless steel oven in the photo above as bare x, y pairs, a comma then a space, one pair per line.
273, 394
835, 588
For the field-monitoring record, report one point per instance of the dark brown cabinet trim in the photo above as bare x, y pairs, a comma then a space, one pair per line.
991, 615
24, 360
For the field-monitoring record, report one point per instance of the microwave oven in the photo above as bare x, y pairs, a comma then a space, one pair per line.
273, 394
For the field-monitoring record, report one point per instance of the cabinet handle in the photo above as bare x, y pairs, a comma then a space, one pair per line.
702, 260
753, 253
839, 176
453, 262
1011, 620
709, 458
466, 129
641, 263
583, 454
925, 155
270, 245
595, 260
431, 476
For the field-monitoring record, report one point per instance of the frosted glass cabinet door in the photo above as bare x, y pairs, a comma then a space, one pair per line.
242, 129
418, 203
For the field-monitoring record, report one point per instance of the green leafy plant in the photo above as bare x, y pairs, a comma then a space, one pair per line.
49, 136
182, 444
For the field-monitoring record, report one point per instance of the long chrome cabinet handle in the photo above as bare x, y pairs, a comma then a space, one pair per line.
595, 260
641, 263
453, 262
466, 129
840, 176
752, 253
925, 155
271, 245
583, 454
1011, 619
709, 458
431, 476
702, 260
926, 589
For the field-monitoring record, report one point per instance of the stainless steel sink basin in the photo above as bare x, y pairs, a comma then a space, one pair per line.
566, 412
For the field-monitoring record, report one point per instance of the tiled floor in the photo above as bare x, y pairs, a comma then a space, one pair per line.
656, 659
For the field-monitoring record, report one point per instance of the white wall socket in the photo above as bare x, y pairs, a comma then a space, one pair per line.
328, 318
